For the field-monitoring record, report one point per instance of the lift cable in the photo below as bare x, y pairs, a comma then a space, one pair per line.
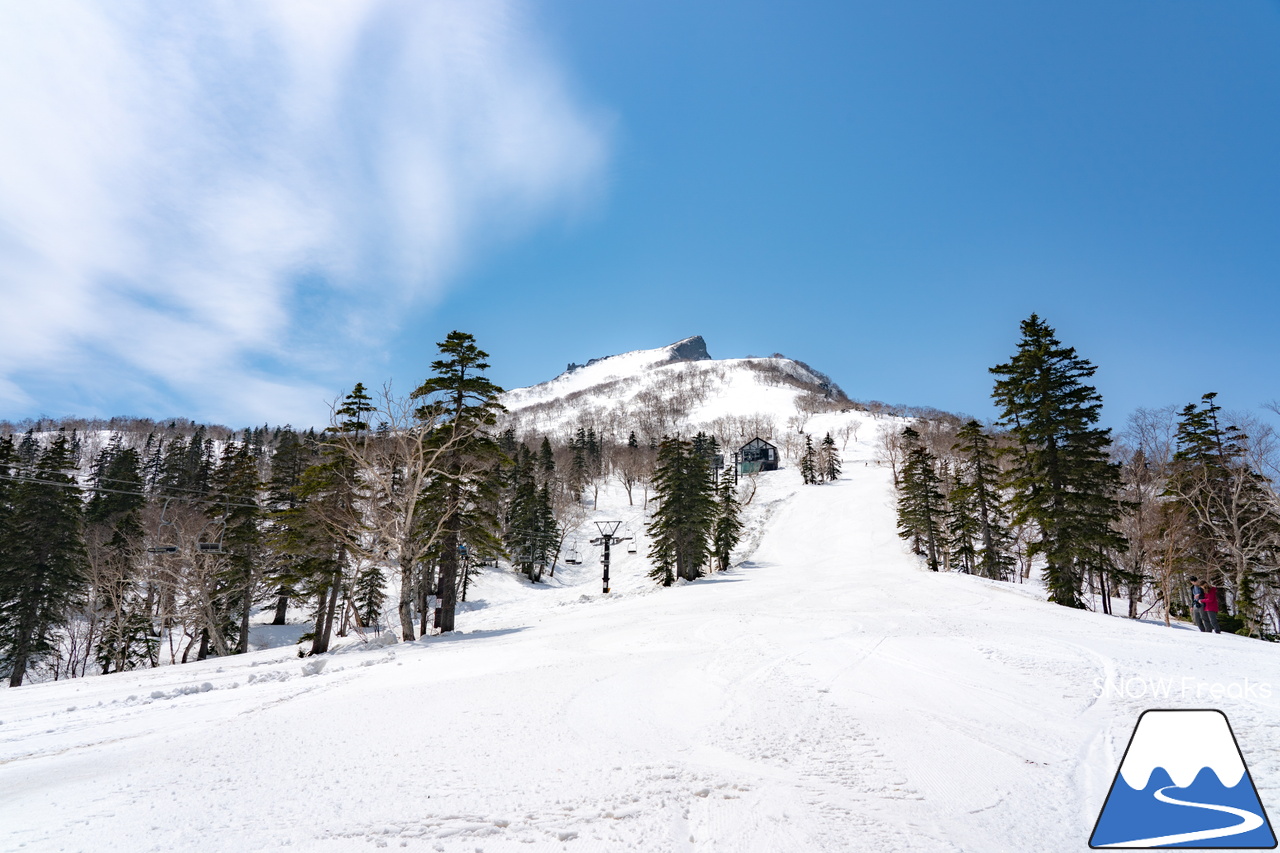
206, 499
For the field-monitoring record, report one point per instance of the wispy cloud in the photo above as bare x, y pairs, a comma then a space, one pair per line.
204, 207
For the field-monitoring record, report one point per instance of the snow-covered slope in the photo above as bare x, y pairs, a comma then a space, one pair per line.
670, 389
826, 695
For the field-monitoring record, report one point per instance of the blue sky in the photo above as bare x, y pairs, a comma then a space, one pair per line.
883, 190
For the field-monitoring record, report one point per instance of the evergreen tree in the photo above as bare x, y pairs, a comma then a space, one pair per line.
153, 468
1234, 518
808, 462
921, 508
595, 454
324, 500
523, 514
465, 403
548, 530
507, 441
963, 527
235, 484
579, 471
727, 531
11, 573
355, 411
830, 468
681, 527
28, 449
113, 516
370, 595
546, 460
1062, 479
290, 457
43, 574
985, 519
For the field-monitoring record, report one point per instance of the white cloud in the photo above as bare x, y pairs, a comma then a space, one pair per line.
189, 192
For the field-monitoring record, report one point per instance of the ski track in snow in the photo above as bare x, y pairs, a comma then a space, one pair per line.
825, 695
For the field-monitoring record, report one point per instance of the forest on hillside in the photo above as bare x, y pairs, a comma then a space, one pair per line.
130, 543
1117, 523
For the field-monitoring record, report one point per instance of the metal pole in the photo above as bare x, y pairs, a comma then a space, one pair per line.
606, 563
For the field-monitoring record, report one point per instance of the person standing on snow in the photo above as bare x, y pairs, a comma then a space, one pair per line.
1210, 601
1197, 605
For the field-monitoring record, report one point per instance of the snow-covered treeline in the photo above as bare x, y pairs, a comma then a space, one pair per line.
1122, 525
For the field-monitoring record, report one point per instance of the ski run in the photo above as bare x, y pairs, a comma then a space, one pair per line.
826, 694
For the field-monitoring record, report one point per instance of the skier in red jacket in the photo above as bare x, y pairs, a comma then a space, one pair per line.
1210, 600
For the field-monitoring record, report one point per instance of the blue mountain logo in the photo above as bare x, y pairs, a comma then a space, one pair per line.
1183, 783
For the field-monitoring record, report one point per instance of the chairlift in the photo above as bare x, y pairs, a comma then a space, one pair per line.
633, 544
572, 558
214, 546
165, 521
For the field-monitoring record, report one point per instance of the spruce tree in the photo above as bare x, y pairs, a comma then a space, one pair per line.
546, 460
369, 595
28, 449
235, 487
808, 462
44, 573
578, 467
548, 529
921, 508
1062, 479
113, 518
465, 403
355, 411
727, 530
982, 504
289, 458
523, 514
681, 527
830, 459
963, 527
1234, 517
324, 500
10, 573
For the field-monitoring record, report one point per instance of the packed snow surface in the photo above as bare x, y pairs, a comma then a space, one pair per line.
828, 694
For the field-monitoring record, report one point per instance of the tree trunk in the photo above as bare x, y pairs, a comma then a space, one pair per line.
406, 598
19, 663
242, 647
321, 629
282, 607
329, 606
447, 591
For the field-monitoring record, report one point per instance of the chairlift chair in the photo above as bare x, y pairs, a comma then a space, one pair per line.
165, 521
572, 558
214, 546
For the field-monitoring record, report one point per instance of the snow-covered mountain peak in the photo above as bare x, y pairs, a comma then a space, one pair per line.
606, 368
673, 388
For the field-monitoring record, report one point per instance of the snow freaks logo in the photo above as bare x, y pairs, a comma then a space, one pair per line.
1138, 687
1183, 783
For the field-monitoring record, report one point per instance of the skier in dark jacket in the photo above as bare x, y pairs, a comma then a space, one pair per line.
1197, 605
1210, 601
